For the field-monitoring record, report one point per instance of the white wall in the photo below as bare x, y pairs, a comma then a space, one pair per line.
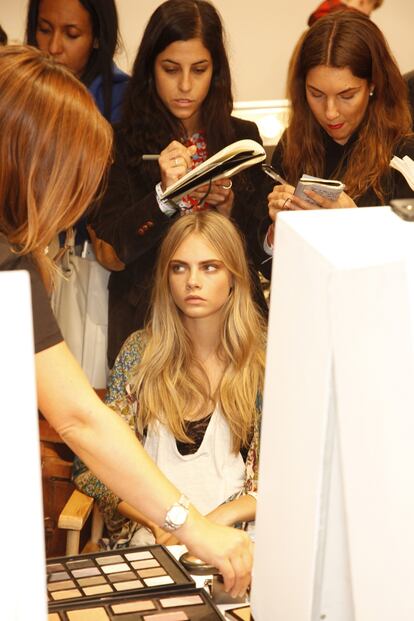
261, 36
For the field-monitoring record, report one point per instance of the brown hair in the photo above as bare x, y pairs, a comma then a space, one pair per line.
347, 39
54, 150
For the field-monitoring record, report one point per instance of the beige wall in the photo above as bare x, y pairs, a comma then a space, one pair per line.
261, 36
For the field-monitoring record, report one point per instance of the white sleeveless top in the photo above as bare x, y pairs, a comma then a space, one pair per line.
209, 476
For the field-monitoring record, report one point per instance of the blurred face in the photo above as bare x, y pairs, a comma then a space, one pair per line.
183, 73
337, 99
64, 30
200, 283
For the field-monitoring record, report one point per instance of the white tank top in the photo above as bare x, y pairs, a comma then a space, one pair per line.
209, 476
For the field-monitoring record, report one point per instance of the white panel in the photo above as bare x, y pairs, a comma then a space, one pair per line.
336, 505
21, 519
293, 445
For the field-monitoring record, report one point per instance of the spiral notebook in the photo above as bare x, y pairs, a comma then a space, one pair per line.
228, 162
328, 188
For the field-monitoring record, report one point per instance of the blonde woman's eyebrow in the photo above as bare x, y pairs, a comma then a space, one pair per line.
204, 262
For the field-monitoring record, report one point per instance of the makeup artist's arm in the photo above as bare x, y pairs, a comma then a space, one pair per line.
107, 446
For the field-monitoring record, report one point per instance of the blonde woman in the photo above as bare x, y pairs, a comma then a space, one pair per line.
190, 384
54, 150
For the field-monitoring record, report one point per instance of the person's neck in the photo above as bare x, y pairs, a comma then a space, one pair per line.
204, 334
192, 125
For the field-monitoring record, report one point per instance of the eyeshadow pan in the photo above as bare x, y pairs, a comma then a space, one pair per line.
114, 569
109, 560
60, 575
167, 616
53, 617
77, 564
186, 600
70, 594
87, 571
56, 586
92, 580
97, 590
88, 614
54, 567
125, 575
157, 571
137, 556
119, 609
242, 613
131, 584
158, 581
145, 564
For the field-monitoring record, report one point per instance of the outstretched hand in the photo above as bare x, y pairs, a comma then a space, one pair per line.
228, 549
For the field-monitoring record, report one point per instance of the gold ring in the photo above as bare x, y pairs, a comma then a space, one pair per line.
227, 187
286, 201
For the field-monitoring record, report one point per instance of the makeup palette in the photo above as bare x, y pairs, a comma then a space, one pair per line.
192, 605
89, 577
239, 614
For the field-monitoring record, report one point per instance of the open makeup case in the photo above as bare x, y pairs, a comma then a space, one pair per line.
131, 584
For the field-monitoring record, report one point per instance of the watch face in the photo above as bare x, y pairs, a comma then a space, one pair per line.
177, 514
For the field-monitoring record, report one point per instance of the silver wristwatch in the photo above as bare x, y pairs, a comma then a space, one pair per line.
177, 514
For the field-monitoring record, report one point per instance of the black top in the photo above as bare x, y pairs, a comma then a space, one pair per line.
46, 331
409, 79
130, 219
337, 156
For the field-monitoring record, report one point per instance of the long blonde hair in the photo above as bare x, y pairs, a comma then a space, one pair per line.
168, 381
54, 150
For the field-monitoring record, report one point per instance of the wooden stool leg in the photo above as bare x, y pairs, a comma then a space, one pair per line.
72, 542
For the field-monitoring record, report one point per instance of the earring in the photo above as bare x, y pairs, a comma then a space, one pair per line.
371, 93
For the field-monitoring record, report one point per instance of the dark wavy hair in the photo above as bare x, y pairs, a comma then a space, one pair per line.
347, 39
146, 123
105, 30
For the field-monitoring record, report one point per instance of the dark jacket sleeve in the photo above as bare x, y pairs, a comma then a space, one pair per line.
277, 159
250, 211
128, 216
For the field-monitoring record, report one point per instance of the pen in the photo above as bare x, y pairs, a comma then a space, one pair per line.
269, 170
150, 156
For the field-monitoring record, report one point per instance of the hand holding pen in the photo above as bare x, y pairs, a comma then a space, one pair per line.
174, 161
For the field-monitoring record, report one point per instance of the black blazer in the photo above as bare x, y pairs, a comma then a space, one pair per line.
130, 219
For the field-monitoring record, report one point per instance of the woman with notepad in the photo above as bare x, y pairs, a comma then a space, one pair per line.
349, 117
178, 107
190, 385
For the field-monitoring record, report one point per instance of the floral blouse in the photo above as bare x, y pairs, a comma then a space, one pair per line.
198, 139
121, 400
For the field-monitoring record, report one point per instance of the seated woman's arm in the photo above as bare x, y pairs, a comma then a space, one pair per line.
243, 508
